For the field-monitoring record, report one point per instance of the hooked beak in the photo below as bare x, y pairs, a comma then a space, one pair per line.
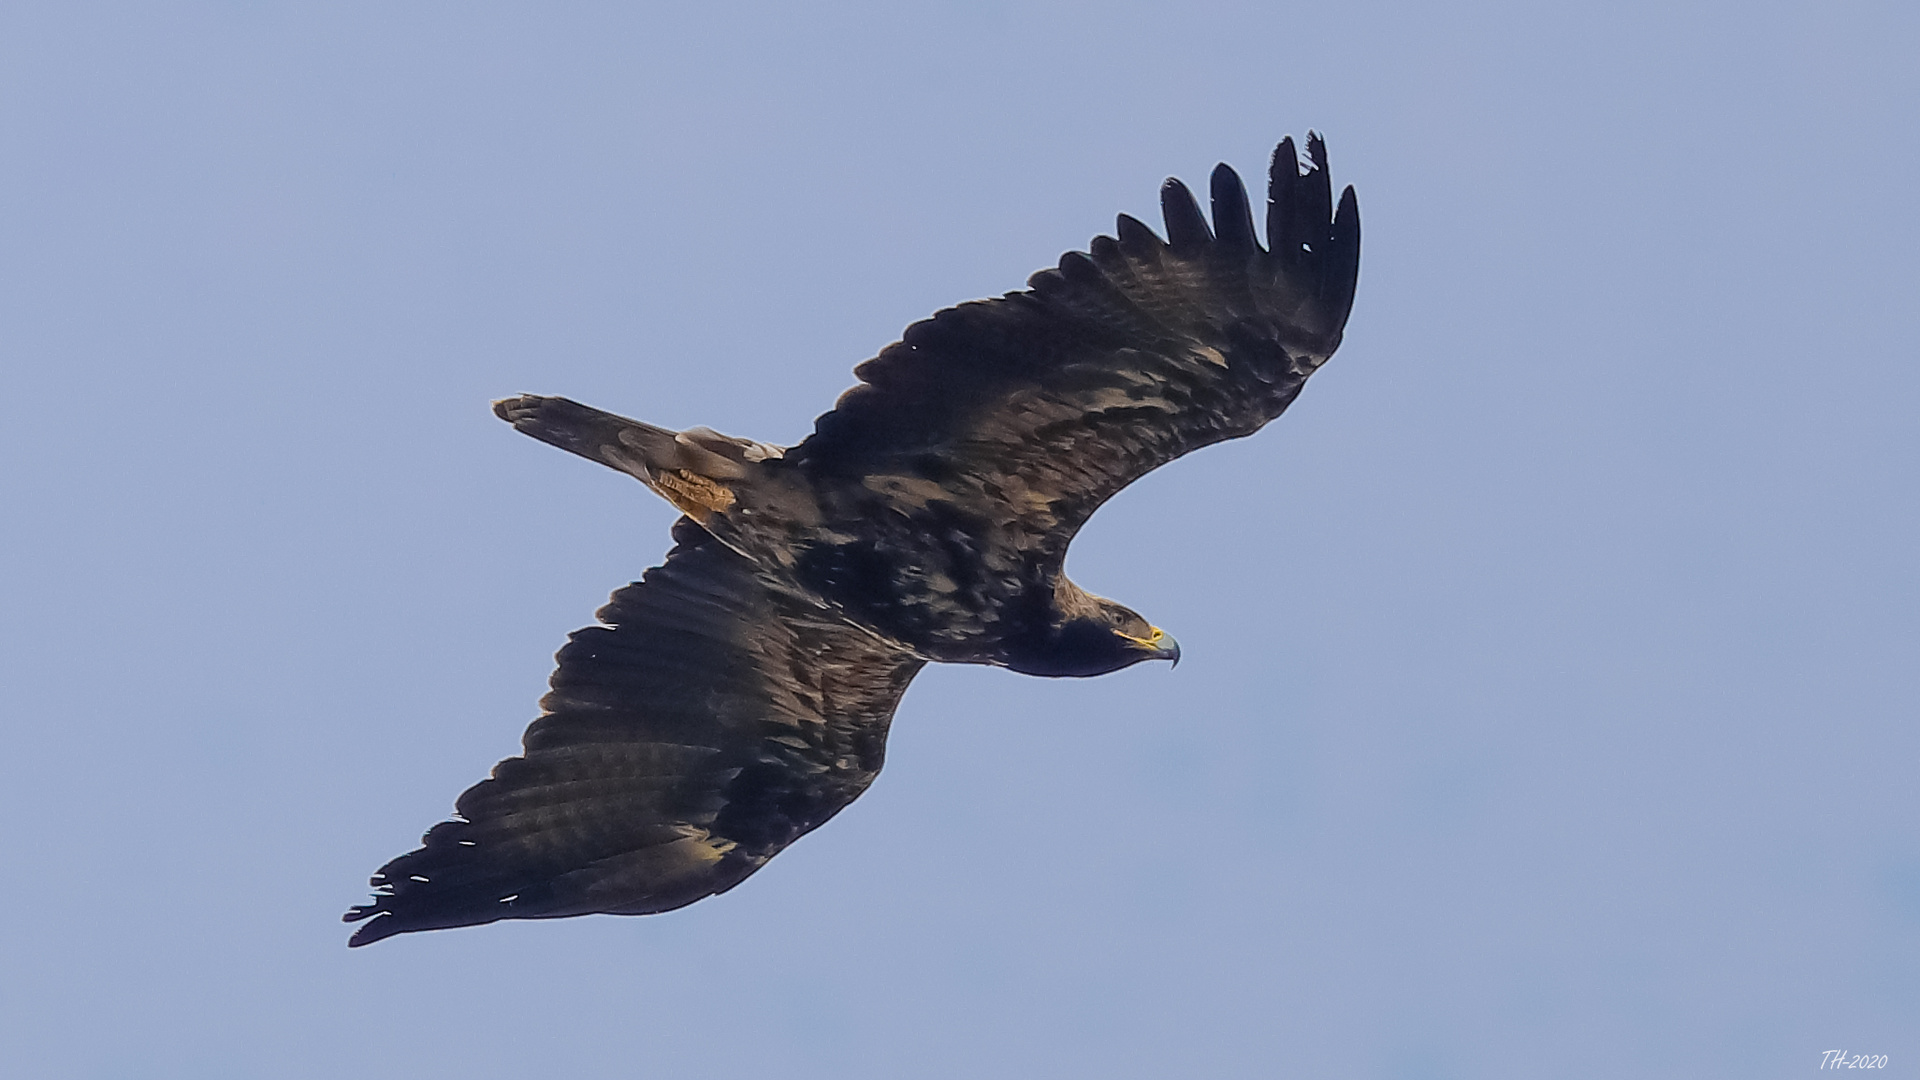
1159, 646
1167, 649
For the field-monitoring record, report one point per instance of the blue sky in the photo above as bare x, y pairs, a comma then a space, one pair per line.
1550, 669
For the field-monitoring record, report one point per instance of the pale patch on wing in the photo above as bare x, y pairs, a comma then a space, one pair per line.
1210, 354
911, 491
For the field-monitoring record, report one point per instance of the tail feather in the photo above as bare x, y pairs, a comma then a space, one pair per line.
615, 441
692, 469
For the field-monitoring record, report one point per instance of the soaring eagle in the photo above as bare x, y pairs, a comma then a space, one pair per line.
739, 695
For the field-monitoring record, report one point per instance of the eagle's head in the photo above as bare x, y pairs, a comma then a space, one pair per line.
1093, 639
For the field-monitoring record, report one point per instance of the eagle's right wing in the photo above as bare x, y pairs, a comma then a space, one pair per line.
1023, 414
711, 721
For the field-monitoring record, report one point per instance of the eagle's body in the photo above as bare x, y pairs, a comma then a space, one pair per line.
740, 694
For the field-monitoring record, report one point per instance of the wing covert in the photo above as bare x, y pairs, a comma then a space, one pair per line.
708, 722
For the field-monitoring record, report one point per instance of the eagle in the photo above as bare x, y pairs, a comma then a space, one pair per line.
739, 694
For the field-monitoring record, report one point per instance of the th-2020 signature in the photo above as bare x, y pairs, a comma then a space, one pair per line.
1840, 1059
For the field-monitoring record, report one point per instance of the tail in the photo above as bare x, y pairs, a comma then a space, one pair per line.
694, 469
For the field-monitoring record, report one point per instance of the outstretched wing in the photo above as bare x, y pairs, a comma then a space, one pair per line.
708, 723
1042, 404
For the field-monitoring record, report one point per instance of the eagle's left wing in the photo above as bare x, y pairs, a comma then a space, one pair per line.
711, 721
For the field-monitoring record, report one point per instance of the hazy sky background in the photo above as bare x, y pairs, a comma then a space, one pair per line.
1549, 701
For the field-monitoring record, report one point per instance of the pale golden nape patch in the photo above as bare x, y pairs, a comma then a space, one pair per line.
695, 496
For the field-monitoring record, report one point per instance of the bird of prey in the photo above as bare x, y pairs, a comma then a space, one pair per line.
739, 694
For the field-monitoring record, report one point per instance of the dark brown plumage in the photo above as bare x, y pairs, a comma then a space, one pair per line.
739, 695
